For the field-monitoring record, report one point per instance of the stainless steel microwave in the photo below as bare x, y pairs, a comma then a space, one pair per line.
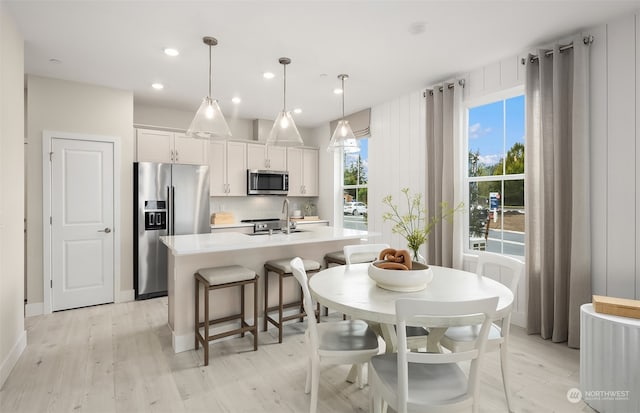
266, 182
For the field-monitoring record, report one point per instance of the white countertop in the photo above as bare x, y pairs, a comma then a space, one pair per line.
231, 241
246, 224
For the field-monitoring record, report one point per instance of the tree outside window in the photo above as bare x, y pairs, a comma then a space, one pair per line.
495, 178
355, 192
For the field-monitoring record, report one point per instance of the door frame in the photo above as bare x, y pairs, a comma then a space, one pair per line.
47, 140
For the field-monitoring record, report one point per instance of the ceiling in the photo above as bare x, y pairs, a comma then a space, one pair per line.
388, 48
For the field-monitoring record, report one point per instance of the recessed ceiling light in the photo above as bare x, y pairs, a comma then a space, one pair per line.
157, 86
171, 52
417, 28
297, 111
236, 100
268, 75
55, 61
337, 91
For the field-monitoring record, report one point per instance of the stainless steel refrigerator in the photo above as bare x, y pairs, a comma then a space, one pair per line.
169, 199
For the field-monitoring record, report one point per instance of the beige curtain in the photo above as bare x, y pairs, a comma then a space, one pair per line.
442, 134
558, 243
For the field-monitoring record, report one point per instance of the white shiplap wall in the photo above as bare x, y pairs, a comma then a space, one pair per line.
615, 177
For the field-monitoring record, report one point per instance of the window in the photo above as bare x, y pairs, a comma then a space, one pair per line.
495, 178
355, 175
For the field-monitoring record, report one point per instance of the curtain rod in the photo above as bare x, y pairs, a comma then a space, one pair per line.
441, 88
587, 40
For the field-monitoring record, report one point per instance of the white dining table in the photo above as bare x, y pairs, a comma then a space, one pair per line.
349, 290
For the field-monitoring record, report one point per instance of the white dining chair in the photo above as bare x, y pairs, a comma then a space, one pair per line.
359, 253
339, 342
431, 382
461, 338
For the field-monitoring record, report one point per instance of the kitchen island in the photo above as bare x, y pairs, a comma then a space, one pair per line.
188, 253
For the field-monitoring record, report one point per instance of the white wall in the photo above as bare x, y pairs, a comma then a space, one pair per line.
13, 337
74, 107
615, 155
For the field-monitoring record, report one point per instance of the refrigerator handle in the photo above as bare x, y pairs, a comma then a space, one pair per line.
173, 212
169, 217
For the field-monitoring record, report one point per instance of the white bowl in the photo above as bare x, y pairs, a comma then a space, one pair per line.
415, 279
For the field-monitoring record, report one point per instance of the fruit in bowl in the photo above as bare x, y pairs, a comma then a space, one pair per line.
395, 271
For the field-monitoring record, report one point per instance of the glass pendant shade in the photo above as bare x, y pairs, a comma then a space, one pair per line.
284, 131
343, 138
209, 123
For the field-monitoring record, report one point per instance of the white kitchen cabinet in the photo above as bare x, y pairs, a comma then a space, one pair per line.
169, 147
227, 168
302, 164
261, 156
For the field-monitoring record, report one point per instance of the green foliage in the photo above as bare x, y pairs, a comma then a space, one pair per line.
415, 225
355, 173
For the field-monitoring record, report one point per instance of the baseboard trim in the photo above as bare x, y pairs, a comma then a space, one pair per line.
519, 319
12, 358
126, 296
33, 309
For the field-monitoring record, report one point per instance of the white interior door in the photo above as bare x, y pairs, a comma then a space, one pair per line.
82, 218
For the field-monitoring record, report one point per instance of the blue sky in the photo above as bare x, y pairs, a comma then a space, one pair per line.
364, 154
487, 128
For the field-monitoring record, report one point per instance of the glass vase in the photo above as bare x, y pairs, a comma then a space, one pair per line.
417, 257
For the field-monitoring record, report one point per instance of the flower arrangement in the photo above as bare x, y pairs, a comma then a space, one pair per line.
415, 225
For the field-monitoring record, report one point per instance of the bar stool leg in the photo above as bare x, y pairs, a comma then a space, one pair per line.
206, 326
255, 314
242, 321
197, 315
280, 305
266, 299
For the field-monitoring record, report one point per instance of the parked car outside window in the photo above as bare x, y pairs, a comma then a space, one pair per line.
355, 208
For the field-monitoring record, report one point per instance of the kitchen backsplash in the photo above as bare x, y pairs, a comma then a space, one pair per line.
258, 207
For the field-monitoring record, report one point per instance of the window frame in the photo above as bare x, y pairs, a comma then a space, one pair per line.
467, 105
344, 187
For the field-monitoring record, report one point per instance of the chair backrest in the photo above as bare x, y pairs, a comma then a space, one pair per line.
514, 267
297, 267
431, 313
359, 253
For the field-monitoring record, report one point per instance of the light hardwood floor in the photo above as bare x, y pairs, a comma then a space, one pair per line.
118, 358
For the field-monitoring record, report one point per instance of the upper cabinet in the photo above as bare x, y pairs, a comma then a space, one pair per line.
169, 147
302, 164
227, 168
261, 156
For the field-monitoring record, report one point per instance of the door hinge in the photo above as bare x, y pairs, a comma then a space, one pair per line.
50, 156
50, 220
51, 283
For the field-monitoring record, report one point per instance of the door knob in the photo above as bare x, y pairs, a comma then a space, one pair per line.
107, 230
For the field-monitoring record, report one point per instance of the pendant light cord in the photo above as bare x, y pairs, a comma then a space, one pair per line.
210, 72
284, 108
343, 98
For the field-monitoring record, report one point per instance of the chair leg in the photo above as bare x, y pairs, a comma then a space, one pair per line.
307, 385
280, 309
242, 318
255, 314
360, 379
315, 384
504, 366
206, 326
266, 298
197, 316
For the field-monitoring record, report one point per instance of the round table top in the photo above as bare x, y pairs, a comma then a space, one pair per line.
348, 289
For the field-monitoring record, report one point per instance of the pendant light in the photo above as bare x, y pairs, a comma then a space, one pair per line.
343, 137
209, 122
284, 131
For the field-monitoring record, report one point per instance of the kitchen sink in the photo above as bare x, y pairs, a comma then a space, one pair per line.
293, 231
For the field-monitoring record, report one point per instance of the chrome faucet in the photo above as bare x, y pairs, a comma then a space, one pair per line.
285, 206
